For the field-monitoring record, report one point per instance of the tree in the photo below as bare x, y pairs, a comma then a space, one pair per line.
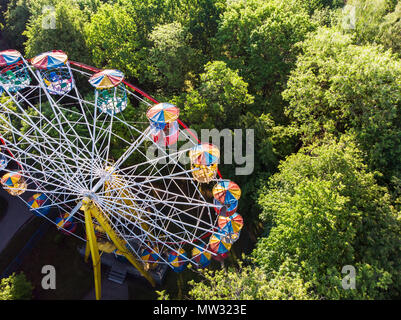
5, 121
15, 287
323, 210
368, 15
15, 18
257, 38
123, 52
220, 99
265, 160
20, 13
390, 30
313, 5
249, 283
202, 18
338, 87
171, 59
67, 35
74, 116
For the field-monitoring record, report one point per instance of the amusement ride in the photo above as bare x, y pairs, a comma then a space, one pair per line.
67, 148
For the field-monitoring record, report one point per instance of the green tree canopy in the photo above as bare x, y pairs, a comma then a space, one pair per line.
15, 287
122, 52
258, 37
15, 15
250, 283
363, 18
324, 210
220, 99
20, 15
171, 59
338, 87
67, 35
390, 30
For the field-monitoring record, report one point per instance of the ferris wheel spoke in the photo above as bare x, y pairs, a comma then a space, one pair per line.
77, 164
165, 192
176, 161
135, 184
83, 105
40, 159
151, 162
71, 146
178, 223
180, 166
151, 199
53, 106
191, 200
63, 179
28, 175
131, 149
27, 119
112, 206
52, 173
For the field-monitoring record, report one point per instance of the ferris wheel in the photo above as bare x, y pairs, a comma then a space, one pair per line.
69, 144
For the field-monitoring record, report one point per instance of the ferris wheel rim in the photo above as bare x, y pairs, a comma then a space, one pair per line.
181, 123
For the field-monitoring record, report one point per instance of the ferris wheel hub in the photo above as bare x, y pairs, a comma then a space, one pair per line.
89, 197
85, 159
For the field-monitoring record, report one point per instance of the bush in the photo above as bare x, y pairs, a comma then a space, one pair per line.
15, 287
250, 283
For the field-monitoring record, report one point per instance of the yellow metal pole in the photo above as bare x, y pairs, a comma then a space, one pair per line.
91, 241
87, 251
118, 242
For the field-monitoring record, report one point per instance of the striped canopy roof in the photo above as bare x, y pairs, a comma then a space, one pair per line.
204, 154
106, 79
67, 221
226, 192
178, 260
201, 256
37, 200
218, 243
50, 60
163, 113
150, 255
227, 209
9, 57
10, 179
231, 224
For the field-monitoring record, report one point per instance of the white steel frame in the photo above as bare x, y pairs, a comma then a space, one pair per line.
57, 160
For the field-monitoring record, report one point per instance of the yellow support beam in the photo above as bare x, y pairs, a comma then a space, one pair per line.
92, 244
90, 207
87, 251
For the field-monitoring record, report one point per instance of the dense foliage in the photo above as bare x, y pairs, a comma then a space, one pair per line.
339, 87
15, 287
318, 82
324, 211
250, 283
